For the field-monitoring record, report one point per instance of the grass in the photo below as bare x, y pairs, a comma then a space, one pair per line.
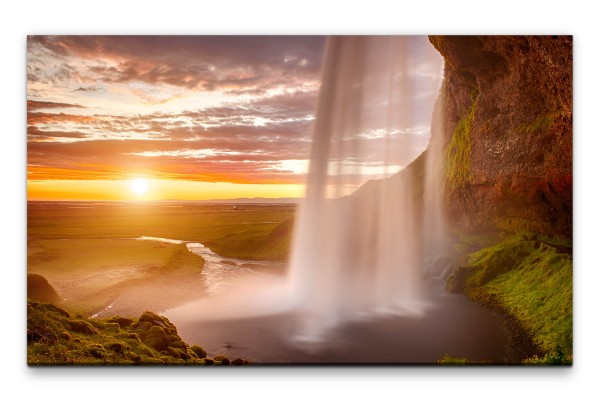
90, 274
531, 277
89, 256
244, 232
55, 337
458, 153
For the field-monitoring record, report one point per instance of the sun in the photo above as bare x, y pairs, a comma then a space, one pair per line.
139, 186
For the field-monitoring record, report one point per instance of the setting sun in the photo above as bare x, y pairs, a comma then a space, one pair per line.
139, 186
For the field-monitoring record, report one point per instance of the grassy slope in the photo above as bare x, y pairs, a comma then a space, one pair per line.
90, 274
245, 232
531, 278
54, 337
88, 255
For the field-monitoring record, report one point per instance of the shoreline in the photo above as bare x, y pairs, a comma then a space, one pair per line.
520, 340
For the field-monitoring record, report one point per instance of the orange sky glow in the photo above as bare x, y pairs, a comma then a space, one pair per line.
197, 117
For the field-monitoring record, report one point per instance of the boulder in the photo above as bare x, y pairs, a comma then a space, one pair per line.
157, 338
198, 350
222, 359
41, 334
81, 326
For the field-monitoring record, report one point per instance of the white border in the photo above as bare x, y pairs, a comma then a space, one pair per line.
306, 17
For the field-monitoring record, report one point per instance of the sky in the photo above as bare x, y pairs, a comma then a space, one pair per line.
196, 117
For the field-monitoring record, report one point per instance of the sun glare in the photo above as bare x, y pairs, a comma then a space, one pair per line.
139, 186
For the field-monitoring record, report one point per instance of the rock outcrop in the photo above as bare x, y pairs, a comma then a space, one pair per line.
507, 113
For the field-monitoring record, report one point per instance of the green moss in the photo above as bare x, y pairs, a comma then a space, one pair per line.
52, 340
531, 277
458, 153
448, 360
539, 123
257, 244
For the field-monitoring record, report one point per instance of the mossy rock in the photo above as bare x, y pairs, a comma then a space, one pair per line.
119, 348
141, 326
176, 353
157, 338
178, 344
239, 361
123, 322
41, 334
96, 350
208, 361
198, 350
457, 281
81, 326
155, 320
220, 358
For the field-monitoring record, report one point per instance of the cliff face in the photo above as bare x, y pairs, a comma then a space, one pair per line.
506, 104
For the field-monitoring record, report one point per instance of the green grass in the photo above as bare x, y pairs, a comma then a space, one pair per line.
458, 153
89, 274
448, 360
531, 277
256, 244
245, 232
90, 257
55, 337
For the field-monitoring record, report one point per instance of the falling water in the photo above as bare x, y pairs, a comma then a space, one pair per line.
367, 236
358, 246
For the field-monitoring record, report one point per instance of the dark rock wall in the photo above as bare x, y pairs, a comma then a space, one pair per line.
507, 114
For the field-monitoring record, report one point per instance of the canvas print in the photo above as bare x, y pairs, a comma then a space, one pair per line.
287, 200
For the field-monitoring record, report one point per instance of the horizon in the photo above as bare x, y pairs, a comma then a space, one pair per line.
128, 118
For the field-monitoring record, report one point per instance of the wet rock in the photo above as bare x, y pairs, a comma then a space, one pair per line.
457, 281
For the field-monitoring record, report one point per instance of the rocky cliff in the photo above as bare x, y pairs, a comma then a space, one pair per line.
506, 104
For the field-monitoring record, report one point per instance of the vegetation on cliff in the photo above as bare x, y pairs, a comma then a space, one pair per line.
55, 337
529, 277
508, 192
458, 153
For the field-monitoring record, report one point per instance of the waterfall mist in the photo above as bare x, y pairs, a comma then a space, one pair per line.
371, 217
360, 233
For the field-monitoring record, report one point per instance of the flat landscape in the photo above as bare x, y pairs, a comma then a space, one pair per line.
89, 252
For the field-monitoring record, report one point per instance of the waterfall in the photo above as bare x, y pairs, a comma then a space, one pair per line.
358, 241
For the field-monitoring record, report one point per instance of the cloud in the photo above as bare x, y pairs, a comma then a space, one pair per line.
36, 105
88, 89
234, 64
